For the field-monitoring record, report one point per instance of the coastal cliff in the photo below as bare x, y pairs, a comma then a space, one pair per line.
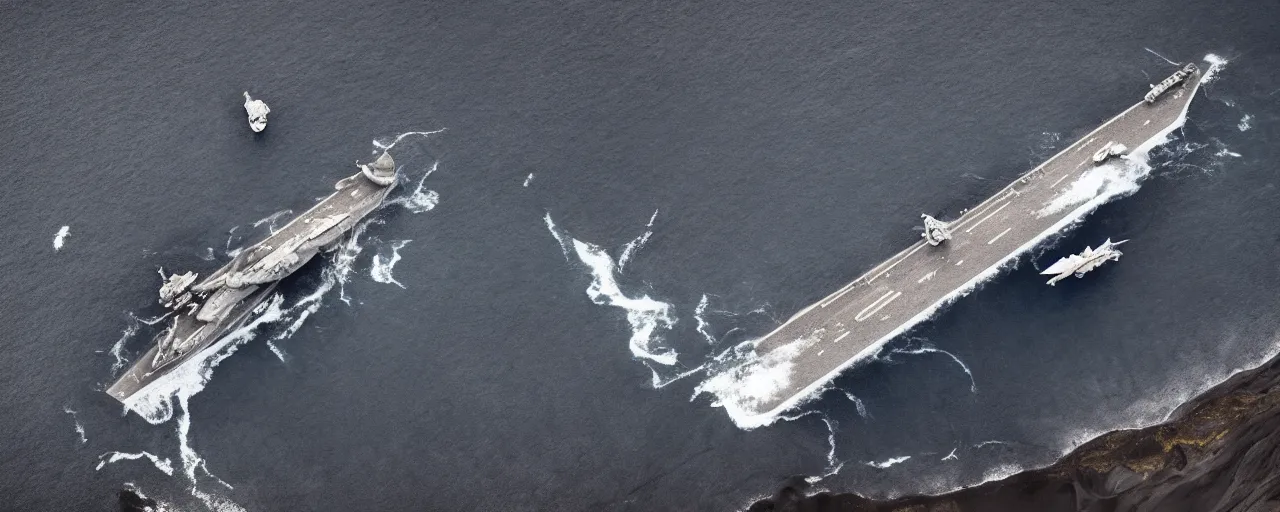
1218, 452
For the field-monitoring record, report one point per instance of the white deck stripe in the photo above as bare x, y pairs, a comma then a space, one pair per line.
756, 418
963, 219
862, 317
900, 260
984, 219
877, 301
837, 340
1064, 176
993, 240
833, 298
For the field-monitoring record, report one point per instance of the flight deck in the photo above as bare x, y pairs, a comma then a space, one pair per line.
854, 322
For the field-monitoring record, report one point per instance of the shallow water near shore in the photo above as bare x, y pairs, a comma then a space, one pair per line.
620, 195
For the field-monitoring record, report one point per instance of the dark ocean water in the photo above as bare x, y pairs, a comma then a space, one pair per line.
786, 147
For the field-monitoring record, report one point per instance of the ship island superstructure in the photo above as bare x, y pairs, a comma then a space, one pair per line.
206, 310
855, 321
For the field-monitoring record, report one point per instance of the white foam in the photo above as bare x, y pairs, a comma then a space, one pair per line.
1216, 65
1000, 472
650, 319
929, 349
379, 145
1117, 178
741, 380
117, 349
528, 179
565, 244
271, 345
893, 461
112, 457
420, 200
384, 265
60, 237
834, 465
1245, 123
739, 404
1153, 410
857, 404
160, 505
703, 325
629, 250
79, 427
172, 392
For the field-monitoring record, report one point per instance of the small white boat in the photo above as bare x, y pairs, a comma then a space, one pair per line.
257, 111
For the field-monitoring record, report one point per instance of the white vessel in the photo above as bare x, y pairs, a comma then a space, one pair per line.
257, 111
1080, 264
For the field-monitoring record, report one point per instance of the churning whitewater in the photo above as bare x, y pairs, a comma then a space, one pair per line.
738, 376
763, 379
170, 396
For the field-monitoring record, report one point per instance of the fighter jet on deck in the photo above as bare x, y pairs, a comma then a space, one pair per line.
1079, 264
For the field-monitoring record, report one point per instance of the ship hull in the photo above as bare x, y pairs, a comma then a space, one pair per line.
319, 228
853, 323
144, 372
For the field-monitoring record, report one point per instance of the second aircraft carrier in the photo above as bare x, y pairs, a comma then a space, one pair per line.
855, 321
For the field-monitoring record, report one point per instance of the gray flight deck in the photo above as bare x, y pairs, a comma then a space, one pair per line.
852, 323
206, 311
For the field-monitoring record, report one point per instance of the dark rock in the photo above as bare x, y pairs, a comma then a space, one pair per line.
133, 501
1219, 452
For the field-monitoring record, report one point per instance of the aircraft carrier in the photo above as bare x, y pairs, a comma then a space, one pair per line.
855, 321
208, 310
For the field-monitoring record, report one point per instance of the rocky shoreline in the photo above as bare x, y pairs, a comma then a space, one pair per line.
1218, 452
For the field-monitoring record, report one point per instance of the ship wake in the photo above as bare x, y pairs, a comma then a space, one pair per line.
169, 397
752, 378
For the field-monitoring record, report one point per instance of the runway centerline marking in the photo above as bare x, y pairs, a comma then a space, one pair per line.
984, 219
993, 240
1064, 176
867, 314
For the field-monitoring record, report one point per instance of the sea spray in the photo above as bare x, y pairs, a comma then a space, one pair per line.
171, 394
741, 390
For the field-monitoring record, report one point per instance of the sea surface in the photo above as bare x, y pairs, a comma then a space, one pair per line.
600, 201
